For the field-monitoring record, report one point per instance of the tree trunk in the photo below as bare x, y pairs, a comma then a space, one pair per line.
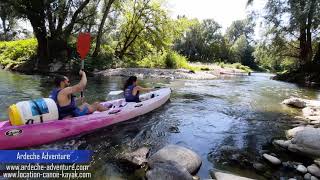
303, 36
309, 35
105, 15
4, 28
316, 58
37, 20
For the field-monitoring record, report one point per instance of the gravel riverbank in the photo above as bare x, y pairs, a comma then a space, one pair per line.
170, 73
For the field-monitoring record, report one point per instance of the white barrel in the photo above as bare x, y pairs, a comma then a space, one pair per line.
33, 111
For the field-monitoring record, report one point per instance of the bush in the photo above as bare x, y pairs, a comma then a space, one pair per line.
14, 53
171, 60
174, 60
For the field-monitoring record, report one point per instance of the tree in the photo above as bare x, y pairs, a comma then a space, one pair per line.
202, 42
294, 20
8, 21
142, 18
106, 9
52, 22
239, 28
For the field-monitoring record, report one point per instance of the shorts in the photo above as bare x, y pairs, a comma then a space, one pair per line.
79, 112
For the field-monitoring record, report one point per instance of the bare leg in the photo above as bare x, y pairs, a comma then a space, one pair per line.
90, 107
94, 107
99, 107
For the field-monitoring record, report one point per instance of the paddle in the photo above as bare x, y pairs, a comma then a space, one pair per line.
83, 47
113, 93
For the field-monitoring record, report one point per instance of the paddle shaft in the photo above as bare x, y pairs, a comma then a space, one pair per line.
82, 68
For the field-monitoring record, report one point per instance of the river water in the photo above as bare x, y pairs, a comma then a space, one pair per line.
228, 122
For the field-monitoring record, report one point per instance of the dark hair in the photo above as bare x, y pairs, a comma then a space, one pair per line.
129, 82
58, 80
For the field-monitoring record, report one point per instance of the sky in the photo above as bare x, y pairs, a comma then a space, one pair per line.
222, 11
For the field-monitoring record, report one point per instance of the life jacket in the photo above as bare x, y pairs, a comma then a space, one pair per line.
67, 110
129, 96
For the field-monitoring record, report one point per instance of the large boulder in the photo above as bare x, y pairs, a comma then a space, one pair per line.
168, 170
292, 132
181, 155
304, 140
309, 137
307, 141
295, 102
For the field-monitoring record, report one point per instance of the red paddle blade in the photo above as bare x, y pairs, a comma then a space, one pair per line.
83, 44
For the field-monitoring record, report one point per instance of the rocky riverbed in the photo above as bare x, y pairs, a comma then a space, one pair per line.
302, 140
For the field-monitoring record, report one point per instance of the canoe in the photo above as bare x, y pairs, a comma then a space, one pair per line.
50, 131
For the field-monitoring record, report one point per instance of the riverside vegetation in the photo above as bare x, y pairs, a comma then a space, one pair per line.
142, 34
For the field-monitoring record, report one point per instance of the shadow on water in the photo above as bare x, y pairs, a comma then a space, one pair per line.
228, 122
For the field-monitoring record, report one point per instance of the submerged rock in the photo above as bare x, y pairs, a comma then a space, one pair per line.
259, 166
168, 170
228, 148
291, 165
313, 178
138, 157
174, 129
181, 155
272, 159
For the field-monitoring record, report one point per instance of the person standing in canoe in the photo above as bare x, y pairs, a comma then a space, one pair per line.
65, 100
132, 90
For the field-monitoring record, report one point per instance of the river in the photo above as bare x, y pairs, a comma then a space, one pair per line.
228, 121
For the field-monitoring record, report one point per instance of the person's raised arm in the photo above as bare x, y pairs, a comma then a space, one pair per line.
78, 87
139, 88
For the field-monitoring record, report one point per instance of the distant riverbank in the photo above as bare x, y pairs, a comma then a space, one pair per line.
209, 73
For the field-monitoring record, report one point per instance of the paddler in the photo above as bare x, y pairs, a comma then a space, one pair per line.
132, 90
65, 100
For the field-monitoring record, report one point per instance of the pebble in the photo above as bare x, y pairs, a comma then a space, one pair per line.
307, 176
258, 166
272, 159
314, 178
314, 170
302, 169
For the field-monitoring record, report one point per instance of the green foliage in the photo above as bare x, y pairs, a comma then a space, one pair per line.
17, 52
238, 29
270, 58
174, 60
170, 60
291, 29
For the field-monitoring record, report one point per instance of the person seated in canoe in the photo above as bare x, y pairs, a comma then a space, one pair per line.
65, 100
132, 90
